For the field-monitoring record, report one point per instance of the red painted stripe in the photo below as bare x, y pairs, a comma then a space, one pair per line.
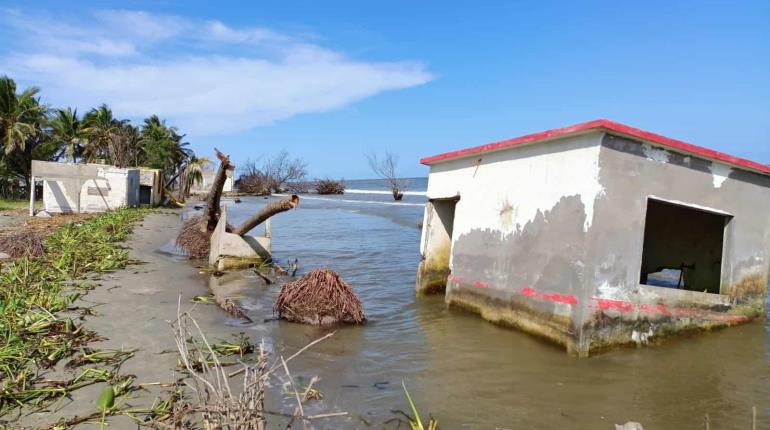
612, 127
621, 305
618, 305
558, 298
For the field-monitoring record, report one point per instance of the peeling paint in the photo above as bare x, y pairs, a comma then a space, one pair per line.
550, 238
719, 173
532, 179
654, 153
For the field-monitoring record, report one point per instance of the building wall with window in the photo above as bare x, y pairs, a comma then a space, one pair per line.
715, 228
598, 235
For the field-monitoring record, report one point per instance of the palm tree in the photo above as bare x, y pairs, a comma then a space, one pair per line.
100, 126
67, 131
192, 173
18, 113
163, 148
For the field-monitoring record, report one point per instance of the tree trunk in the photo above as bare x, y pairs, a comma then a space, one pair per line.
211, 215
180, 195
271, 209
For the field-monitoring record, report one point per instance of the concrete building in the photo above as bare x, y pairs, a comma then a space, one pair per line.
209, 172
150, 186
598, 235
71, 187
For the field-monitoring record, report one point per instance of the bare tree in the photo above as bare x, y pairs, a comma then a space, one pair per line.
252, 179
385, 167
283, 170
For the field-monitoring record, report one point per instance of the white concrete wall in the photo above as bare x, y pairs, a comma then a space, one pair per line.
61, 196
508, 188
208, 178
115, 188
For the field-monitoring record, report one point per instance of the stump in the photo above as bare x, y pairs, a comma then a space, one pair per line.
319, 298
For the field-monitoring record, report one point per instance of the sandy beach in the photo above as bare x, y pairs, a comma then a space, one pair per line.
132, 309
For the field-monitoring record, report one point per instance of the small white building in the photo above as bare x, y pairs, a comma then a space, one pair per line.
209, 172
87, 187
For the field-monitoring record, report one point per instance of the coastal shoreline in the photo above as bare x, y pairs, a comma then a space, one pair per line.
132, 309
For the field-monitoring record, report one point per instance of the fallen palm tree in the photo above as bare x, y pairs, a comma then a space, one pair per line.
271, 209
319, 298
195, 236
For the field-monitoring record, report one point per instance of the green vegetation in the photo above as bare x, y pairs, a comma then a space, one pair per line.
30, 130
416, 422
34, 293
11, 204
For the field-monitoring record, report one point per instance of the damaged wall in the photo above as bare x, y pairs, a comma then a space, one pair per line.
86, 187
436, 244
548, 237
520, 229
621, 310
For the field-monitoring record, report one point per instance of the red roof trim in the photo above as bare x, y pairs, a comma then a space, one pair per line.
612, 127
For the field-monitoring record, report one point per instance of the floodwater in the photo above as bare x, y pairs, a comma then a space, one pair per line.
466, 372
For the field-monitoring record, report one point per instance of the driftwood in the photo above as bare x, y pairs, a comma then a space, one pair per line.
319, 298
271, 209
213, 210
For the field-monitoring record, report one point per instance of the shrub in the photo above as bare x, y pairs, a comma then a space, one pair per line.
330, 186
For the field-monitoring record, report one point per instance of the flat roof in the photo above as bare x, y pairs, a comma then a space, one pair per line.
612, 127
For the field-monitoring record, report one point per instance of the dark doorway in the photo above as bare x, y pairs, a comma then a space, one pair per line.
682, 247
145, 195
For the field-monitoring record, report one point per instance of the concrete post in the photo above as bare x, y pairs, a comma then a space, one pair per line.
32, 196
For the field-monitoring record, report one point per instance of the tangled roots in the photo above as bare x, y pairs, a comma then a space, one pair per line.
192, 240
319, 298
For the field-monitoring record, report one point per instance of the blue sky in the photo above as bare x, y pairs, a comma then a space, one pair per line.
329, 81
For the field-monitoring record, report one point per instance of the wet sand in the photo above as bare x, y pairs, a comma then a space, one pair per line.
132, 309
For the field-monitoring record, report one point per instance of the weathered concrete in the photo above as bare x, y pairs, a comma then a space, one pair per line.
230, 251
150, 186
437, 241
549, 237
71, 187
209, 172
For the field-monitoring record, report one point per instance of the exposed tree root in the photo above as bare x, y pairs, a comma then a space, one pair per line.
194, 241
319, 298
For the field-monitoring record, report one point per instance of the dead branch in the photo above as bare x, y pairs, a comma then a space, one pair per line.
219, 405
271, 209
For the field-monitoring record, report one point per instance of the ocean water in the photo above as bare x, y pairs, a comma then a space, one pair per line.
468, 373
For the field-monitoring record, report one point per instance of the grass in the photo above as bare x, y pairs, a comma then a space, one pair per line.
11, 204
34, 292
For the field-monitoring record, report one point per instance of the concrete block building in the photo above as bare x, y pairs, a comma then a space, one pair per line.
72, 187
597, 235
150, 186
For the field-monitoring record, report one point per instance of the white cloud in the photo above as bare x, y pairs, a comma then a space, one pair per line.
205, 76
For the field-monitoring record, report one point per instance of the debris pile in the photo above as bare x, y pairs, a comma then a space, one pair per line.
22, 244
319, 298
